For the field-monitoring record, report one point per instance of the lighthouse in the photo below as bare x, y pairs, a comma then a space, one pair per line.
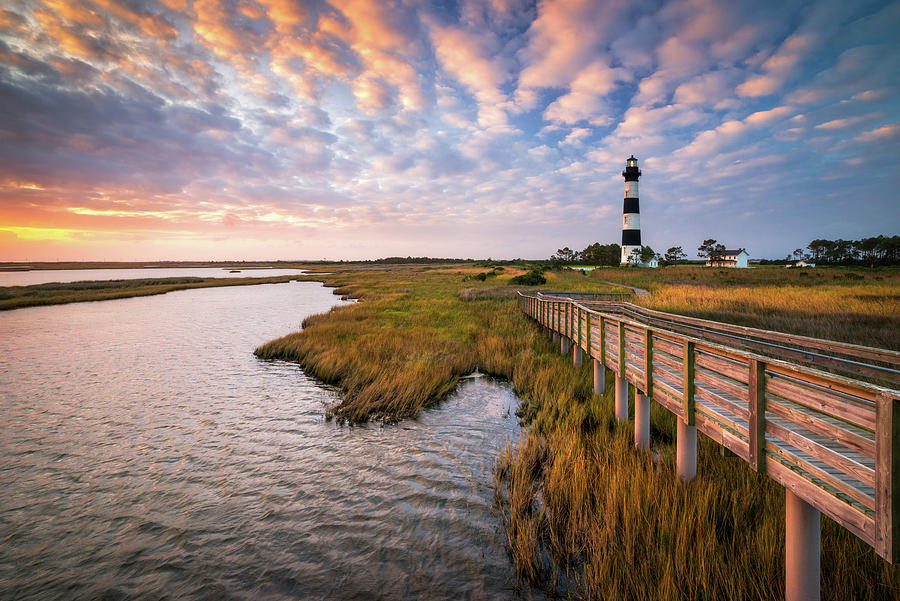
631, 213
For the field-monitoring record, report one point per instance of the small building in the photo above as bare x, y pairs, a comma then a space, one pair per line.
729, 258
800, 263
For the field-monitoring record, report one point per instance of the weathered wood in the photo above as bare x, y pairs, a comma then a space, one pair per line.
735, 370
665, 359
688, 383
821, 452
719, 417
855, 388
726, 438
757, 417
887, 476
844, 348
668, 397
863, 417
709, 397
841, 432
850, 517
832, 438
822, 476
603, 341
587, 333
721, 386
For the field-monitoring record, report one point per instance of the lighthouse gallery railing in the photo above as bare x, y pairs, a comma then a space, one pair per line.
830, 438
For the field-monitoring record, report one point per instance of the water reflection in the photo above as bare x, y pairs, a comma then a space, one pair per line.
44, 276
146, 452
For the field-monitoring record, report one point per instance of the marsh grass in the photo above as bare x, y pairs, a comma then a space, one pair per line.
587, 516
856, 305
16, 297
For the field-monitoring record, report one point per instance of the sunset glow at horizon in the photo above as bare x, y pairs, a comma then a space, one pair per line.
357, 129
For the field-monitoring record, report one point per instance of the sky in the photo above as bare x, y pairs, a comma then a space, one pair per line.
356, 129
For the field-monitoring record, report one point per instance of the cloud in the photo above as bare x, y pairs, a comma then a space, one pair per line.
265, 118
585, 99
564, 39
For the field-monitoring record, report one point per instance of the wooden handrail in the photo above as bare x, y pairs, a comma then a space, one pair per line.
880, 365
815, 427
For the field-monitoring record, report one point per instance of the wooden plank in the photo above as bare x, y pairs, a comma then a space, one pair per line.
602, 340
823, 453
711, 397
824, 477
864, 391
844, 348
843, 513
587, 333
887, 477
823, 401
667, 346
688, 383
722, 419
728, 439
846, 434
667, 397
664, 358
733, 369
648, 362
723, 386
621, 355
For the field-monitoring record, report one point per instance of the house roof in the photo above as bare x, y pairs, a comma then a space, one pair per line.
734, 252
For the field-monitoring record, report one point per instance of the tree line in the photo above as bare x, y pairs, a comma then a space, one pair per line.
611, 254
874, 251
877, 250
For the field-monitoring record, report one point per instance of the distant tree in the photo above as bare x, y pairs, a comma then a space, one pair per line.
601, 254
564, 255
647, 254
674, 255
711, 249
635, 257
798, 254
817, 250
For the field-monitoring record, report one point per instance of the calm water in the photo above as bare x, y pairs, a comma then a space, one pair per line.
145, 453
44, 276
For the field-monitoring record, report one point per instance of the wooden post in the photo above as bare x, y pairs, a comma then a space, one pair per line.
621, 398
580, 329
603, 341
576, 354
641, 421
587, 334
648, 362
563, 344
887, 477
688, 383
686, 451
802, 546
686, 436
757, 422
621, 348
599, 377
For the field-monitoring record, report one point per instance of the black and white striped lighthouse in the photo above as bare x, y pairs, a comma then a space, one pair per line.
631, 213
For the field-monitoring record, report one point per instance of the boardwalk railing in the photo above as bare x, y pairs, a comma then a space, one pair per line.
820, 418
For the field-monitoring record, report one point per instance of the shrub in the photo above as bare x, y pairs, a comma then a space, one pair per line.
532, 278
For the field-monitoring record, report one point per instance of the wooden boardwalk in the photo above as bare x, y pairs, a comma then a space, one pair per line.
821, 418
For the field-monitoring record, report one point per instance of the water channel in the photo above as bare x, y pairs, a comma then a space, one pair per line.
45, 276
146, 453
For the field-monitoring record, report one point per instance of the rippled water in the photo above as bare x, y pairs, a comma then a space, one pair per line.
44, 276
145, 453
